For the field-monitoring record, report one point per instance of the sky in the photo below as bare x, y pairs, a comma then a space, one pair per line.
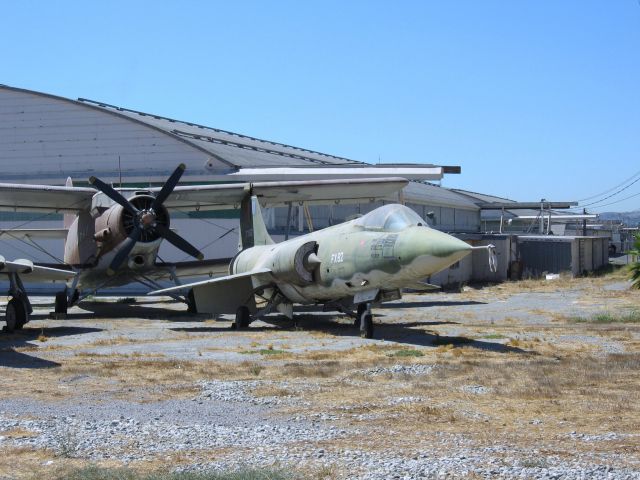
533, 99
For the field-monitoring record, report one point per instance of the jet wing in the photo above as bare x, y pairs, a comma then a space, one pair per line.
44, 198
36, 273
214, 197
225, 294
196, 268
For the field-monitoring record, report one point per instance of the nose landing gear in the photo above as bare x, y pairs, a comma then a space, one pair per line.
364, 320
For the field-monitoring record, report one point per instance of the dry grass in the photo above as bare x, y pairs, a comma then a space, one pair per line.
18, 433
533, 394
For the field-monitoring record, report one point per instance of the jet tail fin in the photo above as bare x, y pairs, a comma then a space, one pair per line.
253, 230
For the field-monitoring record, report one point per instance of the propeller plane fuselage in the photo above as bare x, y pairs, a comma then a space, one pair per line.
121, 233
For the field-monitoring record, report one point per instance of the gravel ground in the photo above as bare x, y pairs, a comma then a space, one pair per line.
242, 428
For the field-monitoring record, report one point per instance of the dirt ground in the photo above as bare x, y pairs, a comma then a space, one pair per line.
533, 375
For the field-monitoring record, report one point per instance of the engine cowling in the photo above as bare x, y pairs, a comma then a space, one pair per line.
116, 223
296, 265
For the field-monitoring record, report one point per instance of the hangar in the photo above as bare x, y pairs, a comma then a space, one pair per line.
46, 138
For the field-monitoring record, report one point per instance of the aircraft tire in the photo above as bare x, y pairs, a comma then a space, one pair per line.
16, 315
191, 302
75, 296
243, 318
61, 304
366, 325
362, 308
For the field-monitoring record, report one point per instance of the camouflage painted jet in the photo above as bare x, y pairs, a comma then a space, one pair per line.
355, 264
112, 236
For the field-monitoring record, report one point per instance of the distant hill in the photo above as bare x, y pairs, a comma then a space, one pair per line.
630, 218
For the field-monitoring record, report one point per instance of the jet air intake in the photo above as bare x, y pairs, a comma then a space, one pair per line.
296, 266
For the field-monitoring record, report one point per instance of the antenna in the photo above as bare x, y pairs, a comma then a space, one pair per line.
120, 171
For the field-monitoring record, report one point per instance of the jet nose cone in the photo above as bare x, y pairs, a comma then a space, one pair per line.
427, 251
442, 245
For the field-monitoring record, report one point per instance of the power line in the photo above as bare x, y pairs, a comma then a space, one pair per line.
618, 201
613, 194
611, 189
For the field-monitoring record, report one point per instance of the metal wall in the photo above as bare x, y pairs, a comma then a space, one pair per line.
45, 139
577, 255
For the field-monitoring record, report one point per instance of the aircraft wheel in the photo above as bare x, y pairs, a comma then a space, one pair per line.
243, 318
366, 320
16, 315
362, 308
366, 325
75, 296
191, 302
61, 304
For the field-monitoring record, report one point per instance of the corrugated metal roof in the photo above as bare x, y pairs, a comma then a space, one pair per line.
426, 193
239, 150
483, 197
480, 198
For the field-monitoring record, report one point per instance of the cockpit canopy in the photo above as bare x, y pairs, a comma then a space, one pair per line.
390, 218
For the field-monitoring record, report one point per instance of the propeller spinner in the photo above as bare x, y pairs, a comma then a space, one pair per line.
148, 220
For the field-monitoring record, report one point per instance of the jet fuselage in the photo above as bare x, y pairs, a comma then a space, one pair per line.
355, 257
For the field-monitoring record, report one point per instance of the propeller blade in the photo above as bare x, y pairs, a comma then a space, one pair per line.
168, 186
124, 251
113, 194
179, 242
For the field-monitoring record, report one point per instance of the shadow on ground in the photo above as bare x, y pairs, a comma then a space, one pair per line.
9, 357
116, 310
430, 304
408, 333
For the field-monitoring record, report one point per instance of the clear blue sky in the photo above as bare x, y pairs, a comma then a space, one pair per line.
532, 98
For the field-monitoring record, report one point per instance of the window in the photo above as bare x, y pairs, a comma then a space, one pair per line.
391, 218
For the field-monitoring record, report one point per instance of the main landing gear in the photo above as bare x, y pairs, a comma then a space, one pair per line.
19, 307
63, 302
364, 320
16, 315
243, 318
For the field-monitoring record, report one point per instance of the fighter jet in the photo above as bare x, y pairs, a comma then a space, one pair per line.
112, 235
353, 265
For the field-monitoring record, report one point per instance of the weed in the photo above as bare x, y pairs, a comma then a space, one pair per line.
67, 442
100, 473
632, 316
406, 353
534, 462
271, 351
264, 351
42, 337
